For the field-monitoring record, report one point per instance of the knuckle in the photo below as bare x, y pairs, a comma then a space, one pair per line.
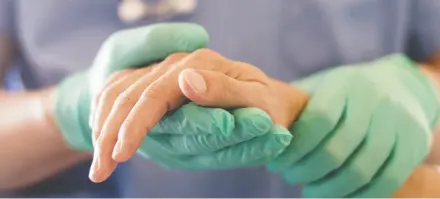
107, 137
205, 52
219, 90
171, 61
175, 57
207, 59
153, 92
125, 100
95, 135
147, 70
116, 76
103, 140
100, 141
245, 68
109, 93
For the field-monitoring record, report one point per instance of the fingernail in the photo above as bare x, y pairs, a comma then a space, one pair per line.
195, 81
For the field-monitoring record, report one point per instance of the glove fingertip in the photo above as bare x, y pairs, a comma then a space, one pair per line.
253, 120
224, 123
282, 135
283, 139
277, 163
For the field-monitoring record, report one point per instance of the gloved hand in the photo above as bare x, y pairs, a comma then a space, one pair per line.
364, 131
125, 49
248, 138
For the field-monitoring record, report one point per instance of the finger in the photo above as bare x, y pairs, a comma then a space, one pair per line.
364, 163
344, 140
155, 101
314, 124
254, 152
103, 166
106, 99
249, 124
111, 80
160, 97
116, 110
233, 85
114, 79
404, 160
211, 88
125, 104
125, 96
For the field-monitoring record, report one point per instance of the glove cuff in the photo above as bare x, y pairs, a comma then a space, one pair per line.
72, 110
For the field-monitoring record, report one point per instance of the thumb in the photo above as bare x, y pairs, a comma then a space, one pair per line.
210, 88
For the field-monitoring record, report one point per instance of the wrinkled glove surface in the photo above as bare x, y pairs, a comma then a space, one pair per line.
241, 138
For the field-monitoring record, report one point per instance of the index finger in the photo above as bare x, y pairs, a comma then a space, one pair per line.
161, 96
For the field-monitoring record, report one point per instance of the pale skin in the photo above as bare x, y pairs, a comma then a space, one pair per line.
226, 85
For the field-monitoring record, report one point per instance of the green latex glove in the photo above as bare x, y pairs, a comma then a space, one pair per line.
251, 139
125, 49
365, 124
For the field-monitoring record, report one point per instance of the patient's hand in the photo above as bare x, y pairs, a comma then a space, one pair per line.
135, 100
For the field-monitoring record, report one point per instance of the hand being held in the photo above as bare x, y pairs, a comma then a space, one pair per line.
143, 97
124, 49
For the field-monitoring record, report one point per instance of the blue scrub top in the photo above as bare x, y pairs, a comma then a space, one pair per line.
287, 39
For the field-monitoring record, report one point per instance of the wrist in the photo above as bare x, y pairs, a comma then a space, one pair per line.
46, 100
